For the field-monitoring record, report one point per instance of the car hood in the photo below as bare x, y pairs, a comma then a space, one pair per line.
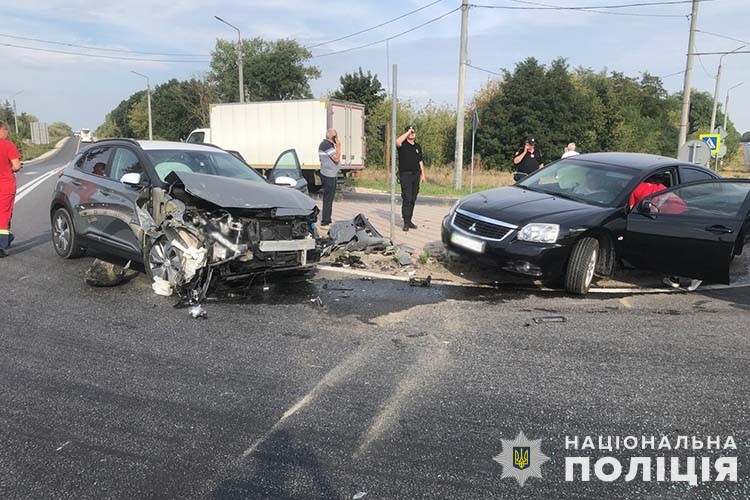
519, 206
242, 194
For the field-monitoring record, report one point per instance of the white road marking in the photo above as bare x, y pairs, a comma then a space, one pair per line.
27, 188
63, 446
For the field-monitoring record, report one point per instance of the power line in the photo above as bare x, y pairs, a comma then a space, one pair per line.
721, 53
99, 48
672, 74
390, 37
99, 56
590, 8
593, 10
723, 36
483, 69
374, 27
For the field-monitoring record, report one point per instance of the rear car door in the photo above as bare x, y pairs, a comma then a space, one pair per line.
288, 165
691, 230
85, 188
117, 211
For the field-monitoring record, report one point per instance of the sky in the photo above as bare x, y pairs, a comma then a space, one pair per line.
80, 90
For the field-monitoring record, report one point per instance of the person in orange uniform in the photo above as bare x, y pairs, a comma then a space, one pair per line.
10, 163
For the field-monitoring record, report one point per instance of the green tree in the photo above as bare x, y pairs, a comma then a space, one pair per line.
360, 88
746, 137
380, 115
138, 119
436, 133
58, 130
273, 70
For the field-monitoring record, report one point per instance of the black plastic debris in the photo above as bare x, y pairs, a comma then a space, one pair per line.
420, 282
549, 319
355, 235
105, 274
351, 260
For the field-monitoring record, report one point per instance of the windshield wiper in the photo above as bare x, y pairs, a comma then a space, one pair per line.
565, 196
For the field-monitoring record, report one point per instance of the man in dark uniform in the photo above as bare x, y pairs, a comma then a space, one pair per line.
528, 159
410, 173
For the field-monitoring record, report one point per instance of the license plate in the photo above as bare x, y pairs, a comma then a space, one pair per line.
467, 243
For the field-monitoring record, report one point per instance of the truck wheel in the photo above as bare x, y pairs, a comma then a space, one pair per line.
64, 235
580, 271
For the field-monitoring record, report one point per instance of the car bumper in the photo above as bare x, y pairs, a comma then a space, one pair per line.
536, 260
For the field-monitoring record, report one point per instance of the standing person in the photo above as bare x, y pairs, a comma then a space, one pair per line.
410, 173
528, 159
570, 150
329, 153
10, 163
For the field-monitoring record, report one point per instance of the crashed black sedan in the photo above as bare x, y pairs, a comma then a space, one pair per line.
578, 218
192, 214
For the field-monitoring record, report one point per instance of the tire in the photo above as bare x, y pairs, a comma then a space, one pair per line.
161, 259
64, 236
582, 265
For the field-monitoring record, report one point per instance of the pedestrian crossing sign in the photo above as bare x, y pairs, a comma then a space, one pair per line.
713, 141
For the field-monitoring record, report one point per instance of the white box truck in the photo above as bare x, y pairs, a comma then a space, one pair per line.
259, 131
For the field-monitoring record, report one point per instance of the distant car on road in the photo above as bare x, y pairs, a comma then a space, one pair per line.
86, 135
572, 220
190, 212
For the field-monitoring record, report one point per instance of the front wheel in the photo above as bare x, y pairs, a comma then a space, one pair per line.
581, 267
161, 259
64, 235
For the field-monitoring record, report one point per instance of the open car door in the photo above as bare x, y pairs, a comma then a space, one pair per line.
288, 172
692, 230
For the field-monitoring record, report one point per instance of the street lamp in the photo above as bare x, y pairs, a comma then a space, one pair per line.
239, 56
15, 112
716, 90
726, 104
148, 94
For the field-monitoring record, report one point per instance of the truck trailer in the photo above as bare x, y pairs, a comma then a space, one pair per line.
259, 131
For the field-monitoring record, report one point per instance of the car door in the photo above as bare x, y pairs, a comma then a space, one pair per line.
288, 165
85, 188
690, 230
118, 201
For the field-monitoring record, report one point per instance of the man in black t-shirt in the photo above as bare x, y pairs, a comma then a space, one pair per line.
410, 173
528, 159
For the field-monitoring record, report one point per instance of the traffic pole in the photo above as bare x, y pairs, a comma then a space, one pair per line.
682, 139
394, 113
459, 154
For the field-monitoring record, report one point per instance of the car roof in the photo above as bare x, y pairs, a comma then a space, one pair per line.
181, 146
639, 161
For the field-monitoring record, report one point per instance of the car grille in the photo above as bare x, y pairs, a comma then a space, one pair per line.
480, 228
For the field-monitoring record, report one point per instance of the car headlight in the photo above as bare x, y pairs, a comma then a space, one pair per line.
454, 208
539, 233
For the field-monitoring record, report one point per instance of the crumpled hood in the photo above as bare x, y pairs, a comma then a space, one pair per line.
240, 193
520, 206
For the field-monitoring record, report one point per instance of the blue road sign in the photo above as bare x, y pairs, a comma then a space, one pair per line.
713, 141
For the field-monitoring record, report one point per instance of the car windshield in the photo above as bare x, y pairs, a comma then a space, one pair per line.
587, 182
218, 163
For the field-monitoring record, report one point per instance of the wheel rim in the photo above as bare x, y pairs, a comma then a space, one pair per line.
61, 233
164, 261
590, 268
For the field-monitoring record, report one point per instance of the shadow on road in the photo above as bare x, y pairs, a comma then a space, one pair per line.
26, 245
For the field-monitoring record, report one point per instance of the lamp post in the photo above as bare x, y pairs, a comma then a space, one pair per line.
15, 111
716, 89
148, 96
726, 104
239, 57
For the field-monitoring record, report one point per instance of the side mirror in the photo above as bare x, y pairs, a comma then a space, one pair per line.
132, 179
647, 208
283, 180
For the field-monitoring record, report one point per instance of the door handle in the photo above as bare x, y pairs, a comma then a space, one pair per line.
719, 229
77, 183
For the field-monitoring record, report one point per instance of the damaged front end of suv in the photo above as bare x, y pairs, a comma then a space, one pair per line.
203, 230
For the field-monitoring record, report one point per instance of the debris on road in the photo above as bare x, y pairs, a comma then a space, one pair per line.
419, 282
198, 312
162, 287
549, 319
317, 300
359, 495
106, 274
349, 259
355, 235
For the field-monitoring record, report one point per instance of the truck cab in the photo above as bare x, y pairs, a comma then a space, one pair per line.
199, 136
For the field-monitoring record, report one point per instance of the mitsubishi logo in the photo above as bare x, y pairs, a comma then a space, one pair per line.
473, 228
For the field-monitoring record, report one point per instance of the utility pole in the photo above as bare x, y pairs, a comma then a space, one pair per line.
459, 155
716, 89
239, 58
15, 111
688, 75
394, 126
148, 96
726, 104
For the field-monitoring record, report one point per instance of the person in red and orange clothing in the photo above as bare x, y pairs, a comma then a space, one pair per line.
10, 163
645, 188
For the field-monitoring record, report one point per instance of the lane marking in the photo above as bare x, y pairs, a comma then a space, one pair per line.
27, 188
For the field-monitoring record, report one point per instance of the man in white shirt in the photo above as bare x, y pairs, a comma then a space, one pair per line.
570, 150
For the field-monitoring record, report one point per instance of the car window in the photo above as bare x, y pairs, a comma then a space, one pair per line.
95, 161
688, 174
196, 137
217, 162
124, 162
287, 165
710, 199
583, 181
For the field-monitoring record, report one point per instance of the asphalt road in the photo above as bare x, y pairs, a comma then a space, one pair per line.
388, 390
